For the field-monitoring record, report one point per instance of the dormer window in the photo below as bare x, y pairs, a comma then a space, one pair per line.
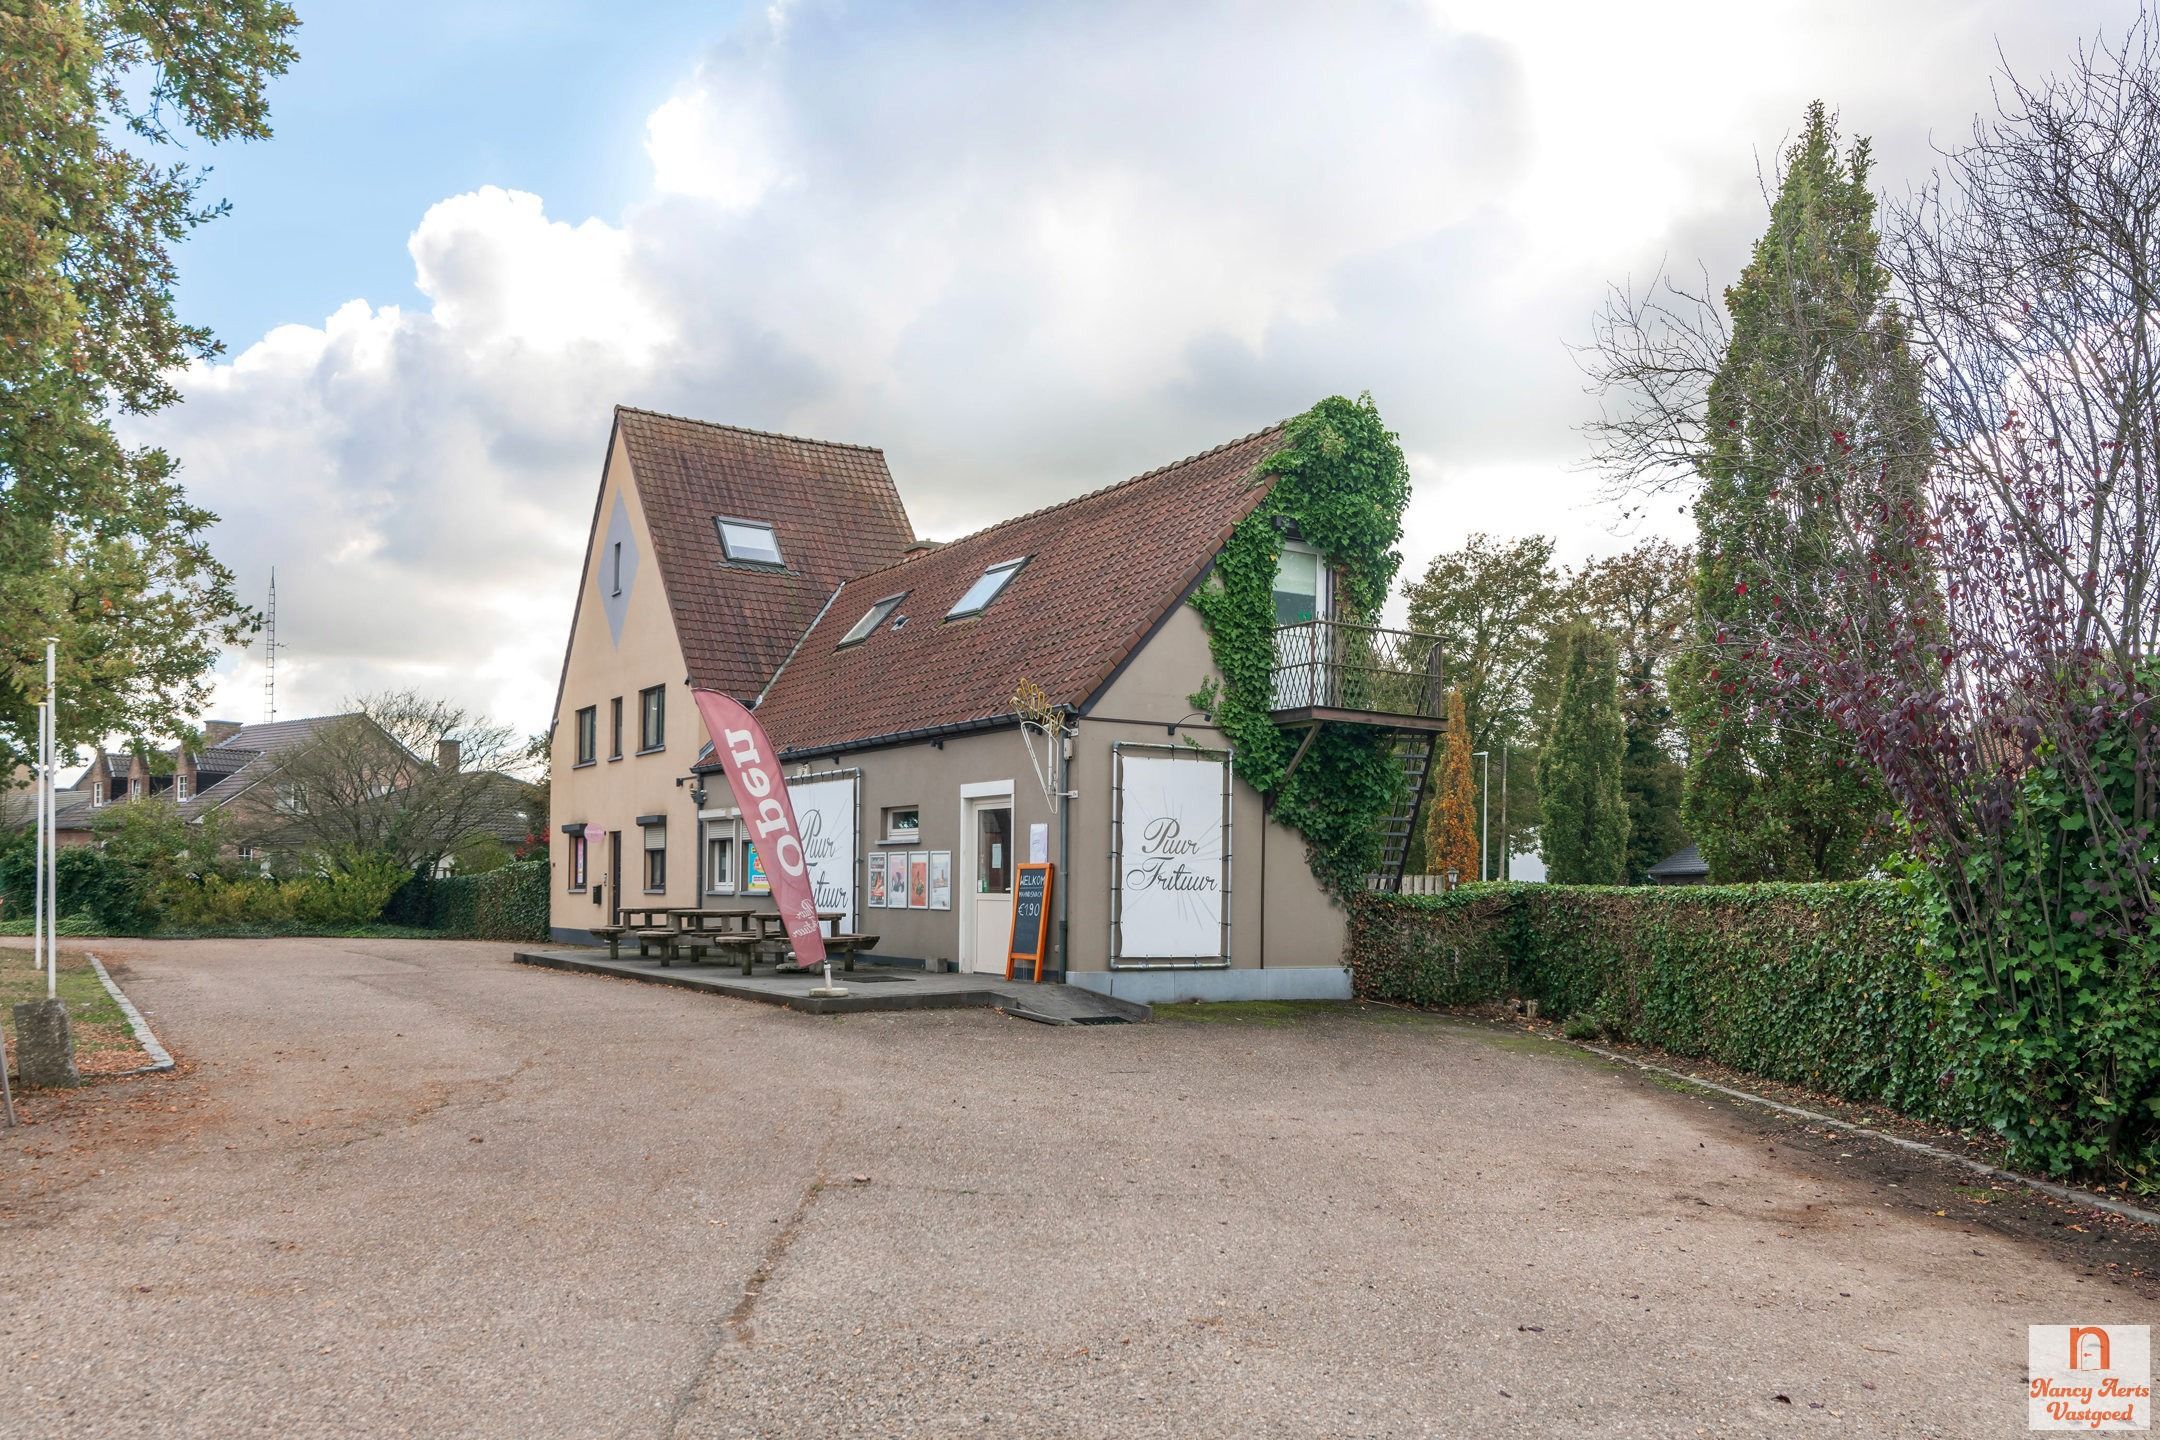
986, 589
871, 619
748, 542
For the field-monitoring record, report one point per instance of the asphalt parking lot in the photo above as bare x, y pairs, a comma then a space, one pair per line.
412, 1188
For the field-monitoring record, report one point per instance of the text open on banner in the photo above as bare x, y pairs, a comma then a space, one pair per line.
752, 768
1173, 855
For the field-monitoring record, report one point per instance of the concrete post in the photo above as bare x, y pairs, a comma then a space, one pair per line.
45, 1045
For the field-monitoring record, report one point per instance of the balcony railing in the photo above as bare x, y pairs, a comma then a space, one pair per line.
1358, 669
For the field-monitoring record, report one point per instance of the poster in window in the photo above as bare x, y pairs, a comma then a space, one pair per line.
896, 879
825, 816
874, 896
1171, 866
941, 879
918, 880
755, 880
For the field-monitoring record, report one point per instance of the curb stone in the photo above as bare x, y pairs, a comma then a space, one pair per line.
1979, 1167
160, 1058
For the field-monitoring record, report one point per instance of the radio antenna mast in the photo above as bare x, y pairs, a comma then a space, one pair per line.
270, 649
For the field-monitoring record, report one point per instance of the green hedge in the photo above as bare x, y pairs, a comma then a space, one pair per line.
1826, 986
509, 903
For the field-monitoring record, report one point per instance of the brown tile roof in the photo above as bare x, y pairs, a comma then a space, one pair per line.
833, 507
1102, 570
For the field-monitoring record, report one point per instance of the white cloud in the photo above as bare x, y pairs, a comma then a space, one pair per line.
1030, 250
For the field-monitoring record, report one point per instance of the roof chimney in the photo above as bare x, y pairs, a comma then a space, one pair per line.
446, 756
919, 549
217, 732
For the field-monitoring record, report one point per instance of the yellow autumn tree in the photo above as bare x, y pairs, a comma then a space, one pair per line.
1451, 839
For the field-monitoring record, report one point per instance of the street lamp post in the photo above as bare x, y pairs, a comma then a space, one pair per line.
1484, 839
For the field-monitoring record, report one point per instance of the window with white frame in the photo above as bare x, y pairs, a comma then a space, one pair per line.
903, 823
97, 792
748, 542
292, 797
986, 588
720, 857
180, 787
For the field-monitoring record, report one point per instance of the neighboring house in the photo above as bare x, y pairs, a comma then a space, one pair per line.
1683, 867
254, 778
783, 572
71, 810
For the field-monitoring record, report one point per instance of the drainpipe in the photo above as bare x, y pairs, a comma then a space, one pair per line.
1064, 873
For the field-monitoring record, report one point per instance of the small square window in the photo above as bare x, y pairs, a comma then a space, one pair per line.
986, 589
903, 823
871, 619
748, 542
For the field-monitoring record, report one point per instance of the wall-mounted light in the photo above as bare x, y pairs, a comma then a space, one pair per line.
1171, 728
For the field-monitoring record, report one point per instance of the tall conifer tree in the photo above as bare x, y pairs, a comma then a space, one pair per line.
1583, 829
1817, 396
1451, 831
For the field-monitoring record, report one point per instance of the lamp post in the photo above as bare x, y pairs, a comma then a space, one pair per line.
52, 817
1484, 839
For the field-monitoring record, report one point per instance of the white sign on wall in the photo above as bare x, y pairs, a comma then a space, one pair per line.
1172, 862
825, 812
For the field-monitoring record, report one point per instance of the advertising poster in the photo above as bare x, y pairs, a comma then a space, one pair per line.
875, 899
918, 880
1170, 866
896, 879
825, 813
755, 880
941, 879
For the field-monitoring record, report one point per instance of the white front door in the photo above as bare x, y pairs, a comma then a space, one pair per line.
986, 874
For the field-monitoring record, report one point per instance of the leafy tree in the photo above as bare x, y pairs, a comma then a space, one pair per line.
370, 784
1584, 828
1807, 402
99, 546
1491, 604
2018, 728
1451, 830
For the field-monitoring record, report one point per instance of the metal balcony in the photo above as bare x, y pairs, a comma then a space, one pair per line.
1358, 675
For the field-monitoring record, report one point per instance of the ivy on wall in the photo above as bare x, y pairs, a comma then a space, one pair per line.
1341, 485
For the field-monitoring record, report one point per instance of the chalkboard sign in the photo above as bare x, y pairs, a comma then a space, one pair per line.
1031, 918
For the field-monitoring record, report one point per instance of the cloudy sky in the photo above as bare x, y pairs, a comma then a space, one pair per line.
1028, 250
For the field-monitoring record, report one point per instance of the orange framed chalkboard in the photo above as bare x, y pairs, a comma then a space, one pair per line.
1031, 918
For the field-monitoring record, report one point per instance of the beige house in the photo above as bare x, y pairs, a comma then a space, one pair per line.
784, 572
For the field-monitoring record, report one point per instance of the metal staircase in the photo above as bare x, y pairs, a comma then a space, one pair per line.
1414, 752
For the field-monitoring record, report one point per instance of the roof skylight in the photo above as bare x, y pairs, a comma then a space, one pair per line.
986, 589
748, 541
871, 619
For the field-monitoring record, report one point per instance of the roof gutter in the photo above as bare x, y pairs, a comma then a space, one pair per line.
790, 754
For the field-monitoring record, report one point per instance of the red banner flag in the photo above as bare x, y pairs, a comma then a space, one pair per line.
753, 770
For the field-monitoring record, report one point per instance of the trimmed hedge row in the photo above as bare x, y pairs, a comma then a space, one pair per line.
1825, 986
509, 903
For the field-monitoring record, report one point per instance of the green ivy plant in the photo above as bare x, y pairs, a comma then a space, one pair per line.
1340, 485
